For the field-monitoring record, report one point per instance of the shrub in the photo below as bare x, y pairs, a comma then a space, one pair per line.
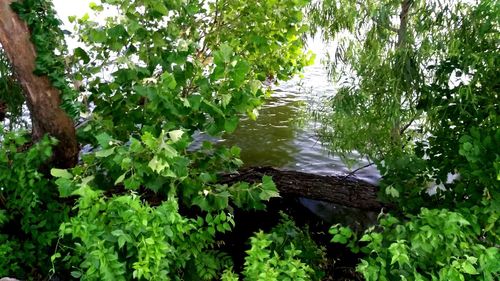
436, 244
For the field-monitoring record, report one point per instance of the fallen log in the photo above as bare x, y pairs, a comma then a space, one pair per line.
345, 191
342, 200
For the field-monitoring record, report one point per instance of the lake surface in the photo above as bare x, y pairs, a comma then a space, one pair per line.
278, 139
275, 139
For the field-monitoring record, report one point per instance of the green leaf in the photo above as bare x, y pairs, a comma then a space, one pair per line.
223, 216
253, 114
346, 231
226, 52
235, 151
168, 80
269, 189
104, 140
159, 7
169, 151
121, 241
120, 178
175, 135
390, 190
93, 6
468, 268
334, 229
117, 232
221, 200
230, 124
132, 183
226, 99
365, 238
65, 186
223, 55
215, 108
339, 238
98, 36
81, 54
158, 165
76, 274
149, 140
105, 153
240, 72
195, 101
268, 183
61, 173
88, 179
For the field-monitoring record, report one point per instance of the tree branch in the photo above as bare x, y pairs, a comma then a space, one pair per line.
350, 174
403, 21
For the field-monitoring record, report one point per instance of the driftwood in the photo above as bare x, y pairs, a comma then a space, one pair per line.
345, 191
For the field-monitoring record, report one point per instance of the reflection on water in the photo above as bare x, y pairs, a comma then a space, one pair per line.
268, 141
334, 213
277, 140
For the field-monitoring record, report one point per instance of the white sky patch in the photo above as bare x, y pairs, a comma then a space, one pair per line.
65, 8
78, 8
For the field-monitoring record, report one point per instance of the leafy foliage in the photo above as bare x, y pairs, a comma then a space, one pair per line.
433, 245
123, 238
30, 212
419, 97
191, 71
154, 76
286, 253
263, 264
50, 47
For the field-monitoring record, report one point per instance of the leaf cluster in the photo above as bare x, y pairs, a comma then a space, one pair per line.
433, 245
286, 253
48, 39
30, 211
419, 96
154, 77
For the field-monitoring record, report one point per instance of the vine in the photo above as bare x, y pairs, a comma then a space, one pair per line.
50, 46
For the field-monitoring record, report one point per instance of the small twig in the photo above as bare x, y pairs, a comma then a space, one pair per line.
402, 130
358, 169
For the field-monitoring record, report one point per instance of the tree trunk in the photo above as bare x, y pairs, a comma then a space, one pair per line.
42, 98
349, 192
403, 22
3, 110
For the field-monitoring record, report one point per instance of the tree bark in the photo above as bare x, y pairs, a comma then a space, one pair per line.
345, 191
403, 21
42, 98
3, 110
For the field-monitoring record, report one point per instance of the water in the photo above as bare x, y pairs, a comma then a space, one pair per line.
277, 139
274, 139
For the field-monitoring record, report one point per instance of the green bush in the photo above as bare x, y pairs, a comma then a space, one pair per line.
434, 245
30, 210
422, 104
152, 77
286, 253
123, 238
